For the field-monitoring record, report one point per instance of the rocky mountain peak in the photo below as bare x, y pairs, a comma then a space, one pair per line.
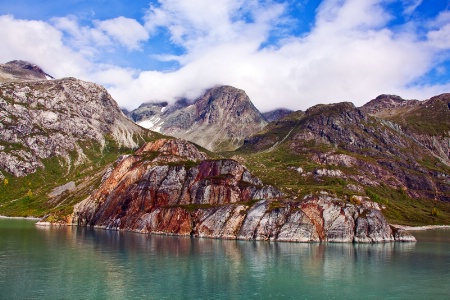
19, 70
384, 105
225, 101
389, 97
219, 120
330, 109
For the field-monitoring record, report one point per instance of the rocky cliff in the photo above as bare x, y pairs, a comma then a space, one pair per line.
168, 187
219, 120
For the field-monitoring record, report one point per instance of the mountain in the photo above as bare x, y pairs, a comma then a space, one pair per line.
66, 127
147, 111
219, 120
277, 114
348, 152
169, 187
42, 119
330, 173
19, 70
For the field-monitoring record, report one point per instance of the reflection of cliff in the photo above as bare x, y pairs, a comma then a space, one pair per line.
169, 187
164, 266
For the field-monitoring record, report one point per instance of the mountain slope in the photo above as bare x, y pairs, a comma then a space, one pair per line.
428, 122
49, 118
219, 120
57, 132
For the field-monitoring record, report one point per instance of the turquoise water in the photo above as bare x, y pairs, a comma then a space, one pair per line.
83, 263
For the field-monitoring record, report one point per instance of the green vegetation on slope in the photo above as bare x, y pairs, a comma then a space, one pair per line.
29, 195
278, 168
430, 117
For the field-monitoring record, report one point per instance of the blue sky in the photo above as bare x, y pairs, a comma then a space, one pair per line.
282, 53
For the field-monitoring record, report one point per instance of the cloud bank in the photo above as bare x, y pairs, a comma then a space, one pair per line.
350, 53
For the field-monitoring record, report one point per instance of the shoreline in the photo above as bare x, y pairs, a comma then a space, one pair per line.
403, 227
420, 228
24, 218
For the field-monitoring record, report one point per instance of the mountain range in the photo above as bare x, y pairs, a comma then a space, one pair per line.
69, 153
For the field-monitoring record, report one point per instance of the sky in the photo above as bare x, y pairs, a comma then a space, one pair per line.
292, 54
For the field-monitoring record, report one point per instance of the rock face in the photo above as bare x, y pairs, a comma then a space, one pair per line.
219, 120
168, 187
45, 118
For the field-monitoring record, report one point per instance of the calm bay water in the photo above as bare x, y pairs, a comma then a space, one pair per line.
84, 263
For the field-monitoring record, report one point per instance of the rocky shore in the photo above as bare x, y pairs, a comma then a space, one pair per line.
419, 228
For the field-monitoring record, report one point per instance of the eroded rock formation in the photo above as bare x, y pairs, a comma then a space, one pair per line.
168, 187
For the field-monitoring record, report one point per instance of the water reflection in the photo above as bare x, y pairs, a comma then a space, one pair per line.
103, 264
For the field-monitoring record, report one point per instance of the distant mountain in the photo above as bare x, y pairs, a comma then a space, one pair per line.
277, 114
147, 111
219, 120
19, 70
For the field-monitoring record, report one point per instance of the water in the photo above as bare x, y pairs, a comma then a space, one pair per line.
83, 263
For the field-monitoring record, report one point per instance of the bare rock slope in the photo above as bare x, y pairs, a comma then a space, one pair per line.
169, 187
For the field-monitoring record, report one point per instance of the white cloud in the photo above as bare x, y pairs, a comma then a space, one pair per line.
128, 32
409, 6
348, 55
40, 43
103, 34
440, 38
441, 20
85, 39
